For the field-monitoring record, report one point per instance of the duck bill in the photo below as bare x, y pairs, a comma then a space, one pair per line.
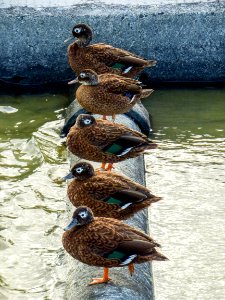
72, 224
68, 176
69, 39
73, 81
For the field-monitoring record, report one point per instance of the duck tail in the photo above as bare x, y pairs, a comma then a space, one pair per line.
155, 199
159, 256
151, 145
147, 92
151, 63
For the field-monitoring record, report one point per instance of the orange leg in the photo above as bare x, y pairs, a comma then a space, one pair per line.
131, 269
113, 118
104, 279
104, 117
109, 168
102, 168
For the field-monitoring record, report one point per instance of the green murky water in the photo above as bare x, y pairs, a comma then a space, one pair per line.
187, 170
31, 155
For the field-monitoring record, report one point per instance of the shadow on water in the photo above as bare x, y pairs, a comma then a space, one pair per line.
187, 170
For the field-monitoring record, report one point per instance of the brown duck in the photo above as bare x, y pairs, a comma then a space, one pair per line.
102, 58
106, 242
108, 94
109, 195
104, 141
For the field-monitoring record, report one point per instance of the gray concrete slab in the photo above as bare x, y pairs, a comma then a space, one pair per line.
59, 3
187, 39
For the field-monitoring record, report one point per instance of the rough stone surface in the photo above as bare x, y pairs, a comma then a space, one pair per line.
123, 286
187, 40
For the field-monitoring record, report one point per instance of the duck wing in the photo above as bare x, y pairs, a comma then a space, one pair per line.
130, 183
114, 192
117, 241
119, 84
125, 143
116, 138
119, 58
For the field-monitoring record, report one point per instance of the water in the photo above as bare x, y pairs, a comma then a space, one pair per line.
30, 202
188, 171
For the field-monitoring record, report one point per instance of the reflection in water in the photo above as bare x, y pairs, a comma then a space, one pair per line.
188, 171
31, 203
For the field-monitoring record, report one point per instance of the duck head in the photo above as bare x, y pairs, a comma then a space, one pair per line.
84, 120
83, 33
81, 171
83, 215
86, 77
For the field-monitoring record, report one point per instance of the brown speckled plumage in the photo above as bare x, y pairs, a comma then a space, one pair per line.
94, 242
110, 94
97, 140
102, 58
107, 194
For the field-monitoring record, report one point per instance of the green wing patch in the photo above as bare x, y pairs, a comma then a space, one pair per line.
114, 149
112, 200
116, 255
118, 66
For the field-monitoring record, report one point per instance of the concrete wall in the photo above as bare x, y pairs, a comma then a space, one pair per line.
187, 39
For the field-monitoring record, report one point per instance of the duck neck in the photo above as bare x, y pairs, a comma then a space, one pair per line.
93, 81
83, 41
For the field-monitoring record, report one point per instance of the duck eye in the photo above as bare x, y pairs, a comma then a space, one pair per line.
87, 122
82, 75
79, 170
77, 30
83, 214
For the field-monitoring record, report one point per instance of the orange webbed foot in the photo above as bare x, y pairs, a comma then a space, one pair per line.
104, 279
99, 280
101, 169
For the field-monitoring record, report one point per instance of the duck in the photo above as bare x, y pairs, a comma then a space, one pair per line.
107, 242
104, 141
108, 94
108, 195
100, 57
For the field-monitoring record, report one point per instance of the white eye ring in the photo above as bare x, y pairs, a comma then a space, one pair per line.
83, 214
77, 30
82, 75
87, 122
79, 170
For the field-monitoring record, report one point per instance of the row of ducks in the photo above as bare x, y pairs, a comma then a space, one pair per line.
105, 74
97, 236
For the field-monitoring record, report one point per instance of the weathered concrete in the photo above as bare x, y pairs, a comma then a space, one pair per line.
187, 40
58, 3
123, 286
